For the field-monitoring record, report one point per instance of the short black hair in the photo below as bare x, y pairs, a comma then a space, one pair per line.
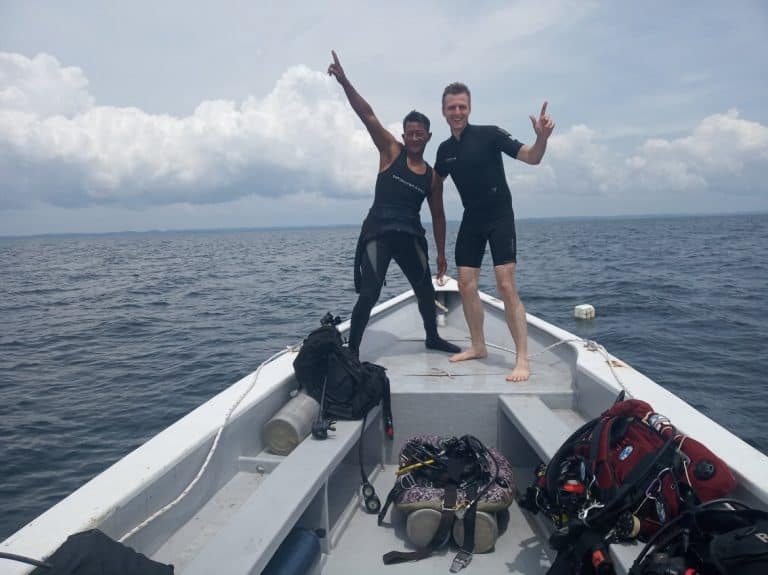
456, 88
414, 116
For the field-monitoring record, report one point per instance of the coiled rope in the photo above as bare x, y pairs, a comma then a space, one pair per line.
212, 450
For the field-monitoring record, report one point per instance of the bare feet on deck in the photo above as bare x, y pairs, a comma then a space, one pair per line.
521, 373
470, 353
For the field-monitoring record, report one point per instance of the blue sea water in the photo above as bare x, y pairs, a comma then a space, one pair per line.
108, 339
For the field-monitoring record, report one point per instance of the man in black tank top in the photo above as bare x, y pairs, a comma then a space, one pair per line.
392, 229
472, 157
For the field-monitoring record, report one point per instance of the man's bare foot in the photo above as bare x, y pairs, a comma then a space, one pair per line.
470, 353
521, 373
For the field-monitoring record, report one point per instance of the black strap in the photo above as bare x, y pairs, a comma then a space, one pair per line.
23, 559
594, 444
446, 522
386, 402
470, 515
363, 475
571, 558
450, 494
394, 492
603, 428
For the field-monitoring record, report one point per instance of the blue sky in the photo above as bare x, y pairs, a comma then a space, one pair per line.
175, 115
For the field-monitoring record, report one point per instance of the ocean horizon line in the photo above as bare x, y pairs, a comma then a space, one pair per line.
355, 225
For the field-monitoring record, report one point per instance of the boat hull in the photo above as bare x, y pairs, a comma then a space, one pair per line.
245, 504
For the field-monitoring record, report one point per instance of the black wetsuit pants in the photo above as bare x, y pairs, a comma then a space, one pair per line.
410, 253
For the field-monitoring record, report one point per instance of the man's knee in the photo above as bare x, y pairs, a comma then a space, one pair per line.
507, 288
505, 282
368, 297
468, 284
424, 289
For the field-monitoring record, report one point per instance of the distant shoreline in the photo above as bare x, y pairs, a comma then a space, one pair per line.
426, 223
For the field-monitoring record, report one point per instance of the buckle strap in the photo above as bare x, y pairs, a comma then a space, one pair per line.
469, 517
396, 489
444, 527
462, 559
393, 557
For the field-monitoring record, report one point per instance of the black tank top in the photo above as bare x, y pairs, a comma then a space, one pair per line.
398, 197
396, 205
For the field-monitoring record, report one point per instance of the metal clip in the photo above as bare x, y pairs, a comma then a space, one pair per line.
407, 481
585, 512
655, 485
457, 507
461, 560
461, 510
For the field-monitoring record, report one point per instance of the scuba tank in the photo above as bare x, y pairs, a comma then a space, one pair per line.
291, 424
298, 554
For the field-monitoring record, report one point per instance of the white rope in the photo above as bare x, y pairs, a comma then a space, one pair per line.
531, 356
685, 461
589, 344
211, 451
594, 346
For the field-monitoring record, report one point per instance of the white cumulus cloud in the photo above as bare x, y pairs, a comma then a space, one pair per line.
57, 146
722, 148
724, 155
42, 86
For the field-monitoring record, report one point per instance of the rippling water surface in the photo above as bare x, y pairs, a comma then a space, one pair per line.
108, 339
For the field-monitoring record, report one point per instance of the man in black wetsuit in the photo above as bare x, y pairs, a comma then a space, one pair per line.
472, 157
393, 227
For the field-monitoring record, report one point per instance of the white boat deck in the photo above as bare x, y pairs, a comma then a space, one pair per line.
432, 395
408, 361
429, 395
248, 501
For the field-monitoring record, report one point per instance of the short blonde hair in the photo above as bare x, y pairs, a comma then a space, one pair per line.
457, 88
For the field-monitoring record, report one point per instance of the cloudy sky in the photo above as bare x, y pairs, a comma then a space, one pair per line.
176, 115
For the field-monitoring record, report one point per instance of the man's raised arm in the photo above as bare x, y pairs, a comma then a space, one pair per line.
385, 142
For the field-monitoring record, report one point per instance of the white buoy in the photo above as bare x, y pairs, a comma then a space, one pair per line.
584, 311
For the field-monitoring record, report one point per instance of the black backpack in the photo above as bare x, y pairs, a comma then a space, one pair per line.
331, 374
345, 389
720, 537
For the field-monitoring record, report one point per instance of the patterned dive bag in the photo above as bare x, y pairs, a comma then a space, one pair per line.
457, 480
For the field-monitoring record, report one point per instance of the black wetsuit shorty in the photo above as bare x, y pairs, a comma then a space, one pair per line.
475, 164
393, 229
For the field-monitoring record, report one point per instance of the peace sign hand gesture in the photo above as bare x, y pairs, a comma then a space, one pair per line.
543, 125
